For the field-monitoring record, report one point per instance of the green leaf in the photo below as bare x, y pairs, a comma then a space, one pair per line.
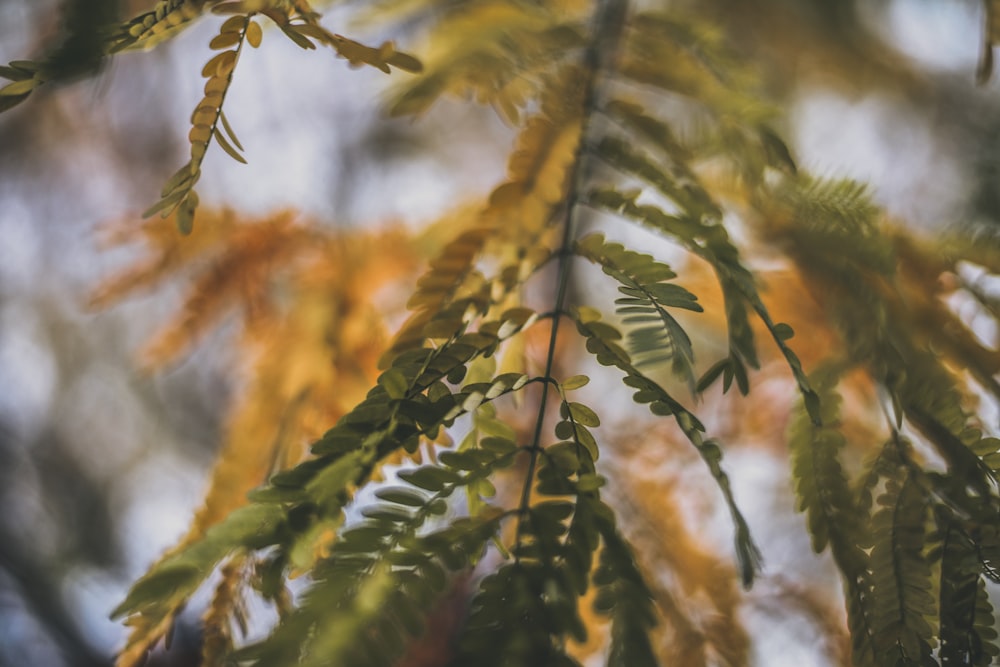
712, 374
386, 513
14, 74
156, 588
590, 482
782, 331
499, 446
11, 101
430, 478
584, 415
395, 383
574, 382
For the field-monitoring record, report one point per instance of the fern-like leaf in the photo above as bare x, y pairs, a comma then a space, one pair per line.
623, 595
381, 577
602, 343
834, 519
901, 578
163, 21
208, 123
648, 295
967, 632
494, 50
711, 242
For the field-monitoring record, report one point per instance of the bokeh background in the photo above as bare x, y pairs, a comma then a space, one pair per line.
102, 463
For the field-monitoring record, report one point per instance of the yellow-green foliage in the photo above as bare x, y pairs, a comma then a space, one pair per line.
604, 96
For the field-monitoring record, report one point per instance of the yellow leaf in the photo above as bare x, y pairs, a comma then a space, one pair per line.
214, 67
229, 130
18, 88
254, 34
226, 146
233, 24
224, 40
405, 62
215, 85
205, 114
167, 203
227, 62
200, 133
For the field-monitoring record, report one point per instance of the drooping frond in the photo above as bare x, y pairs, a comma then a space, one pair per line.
968, 634
514, 222
695, 591
602, 343
834, 518
885, 294
648, 295
208, 121
499, 52
381, 577
822, 487
622, 594
902, 606
711, 242
313, 343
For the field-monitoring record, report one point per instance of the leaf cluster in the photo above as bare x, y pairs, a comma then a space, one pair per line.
631, 118
384, 572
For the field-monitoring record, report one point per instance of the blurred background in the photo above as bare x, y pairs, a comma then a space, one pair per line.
102, 464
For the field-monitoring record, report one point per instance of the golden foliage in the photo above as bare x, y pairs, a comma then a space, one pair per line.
143, 635
514, 226
160, 23
540, 163
866, 299
313, 302
225, 611
499, 52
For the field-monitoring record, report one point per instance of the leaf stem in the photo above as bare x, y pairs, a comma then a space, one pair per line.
607, 24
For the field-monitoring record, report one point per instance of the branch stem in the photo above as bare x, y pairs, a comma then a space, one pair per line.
608, 22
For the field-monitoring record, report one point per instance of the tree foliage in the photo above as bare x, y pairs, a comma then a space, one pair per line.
626, 116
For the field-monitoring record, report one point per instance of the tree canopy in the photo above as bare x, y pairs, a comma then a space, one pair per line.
473, 443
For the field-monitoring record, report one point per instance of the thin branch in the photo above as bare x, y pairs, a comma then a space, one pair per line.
607, 26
